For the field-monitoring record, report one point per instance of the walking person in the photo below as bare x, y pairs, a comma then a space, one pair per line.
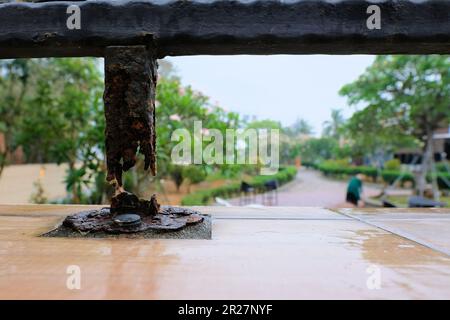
354, 191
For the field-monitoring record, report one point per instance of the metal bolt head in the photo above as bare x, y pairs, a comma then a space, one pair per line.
127, 219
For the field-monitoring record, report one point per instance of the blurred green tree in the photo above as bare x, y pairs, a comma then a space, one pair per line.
52, 108
14, 84
315, 150
402, 97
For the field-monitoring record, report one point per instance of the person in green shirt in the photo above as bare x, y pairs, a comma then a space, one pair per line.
354, 190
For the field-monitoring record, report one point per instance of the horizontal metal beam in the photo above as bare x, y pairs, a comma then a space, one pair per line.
225, 27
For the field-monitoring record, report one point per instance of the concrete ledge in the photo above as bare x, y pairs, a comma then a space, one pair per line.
225, 27
264, 253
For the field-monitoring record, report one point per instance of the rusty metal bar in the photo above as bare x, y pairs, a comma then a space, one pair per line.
225, 27
130, 85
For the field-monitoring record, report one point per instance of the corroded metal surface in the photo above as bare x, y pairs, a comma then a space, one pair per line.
225, 27
169, 218
129, 214
126, 202
130, 84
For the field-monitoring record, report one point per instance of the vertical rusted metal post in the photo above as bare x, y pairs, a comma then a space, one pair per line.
130, 85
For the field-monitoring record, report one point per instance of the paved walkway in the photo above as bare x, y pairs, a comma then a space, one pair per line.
312, 189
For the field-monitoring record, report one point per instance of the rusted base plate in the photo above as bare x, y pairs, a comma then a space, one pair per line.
170, 222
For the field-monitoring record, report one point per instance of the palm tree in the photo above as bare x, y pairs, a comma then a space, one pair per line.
331, 128
299, 127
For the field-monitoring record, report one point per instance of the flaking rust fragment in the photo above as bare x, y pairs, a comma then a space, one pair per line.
130, 84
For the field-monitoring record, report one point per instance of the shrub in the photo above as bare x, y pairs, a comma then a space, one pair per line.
393, 164
336, 168
310, 164
443, 180
390, 176
367, 171
341, 167
443, 167
195, 174
331, 167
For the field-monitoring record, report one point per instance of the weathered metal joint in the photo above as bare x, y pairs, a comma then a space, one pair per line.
130, 85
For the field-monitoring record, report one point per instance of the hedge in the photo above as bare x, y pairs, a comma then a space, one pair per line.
390, 176
308, 164
443, 167
441, 177
203, 197
332, 169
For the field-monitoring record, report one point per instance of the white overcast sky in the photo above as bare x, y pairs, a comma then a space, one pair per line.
280, 87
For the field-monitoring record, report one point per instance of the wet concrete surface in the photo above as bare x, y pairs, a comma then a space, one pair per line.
255, 253
429, 227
